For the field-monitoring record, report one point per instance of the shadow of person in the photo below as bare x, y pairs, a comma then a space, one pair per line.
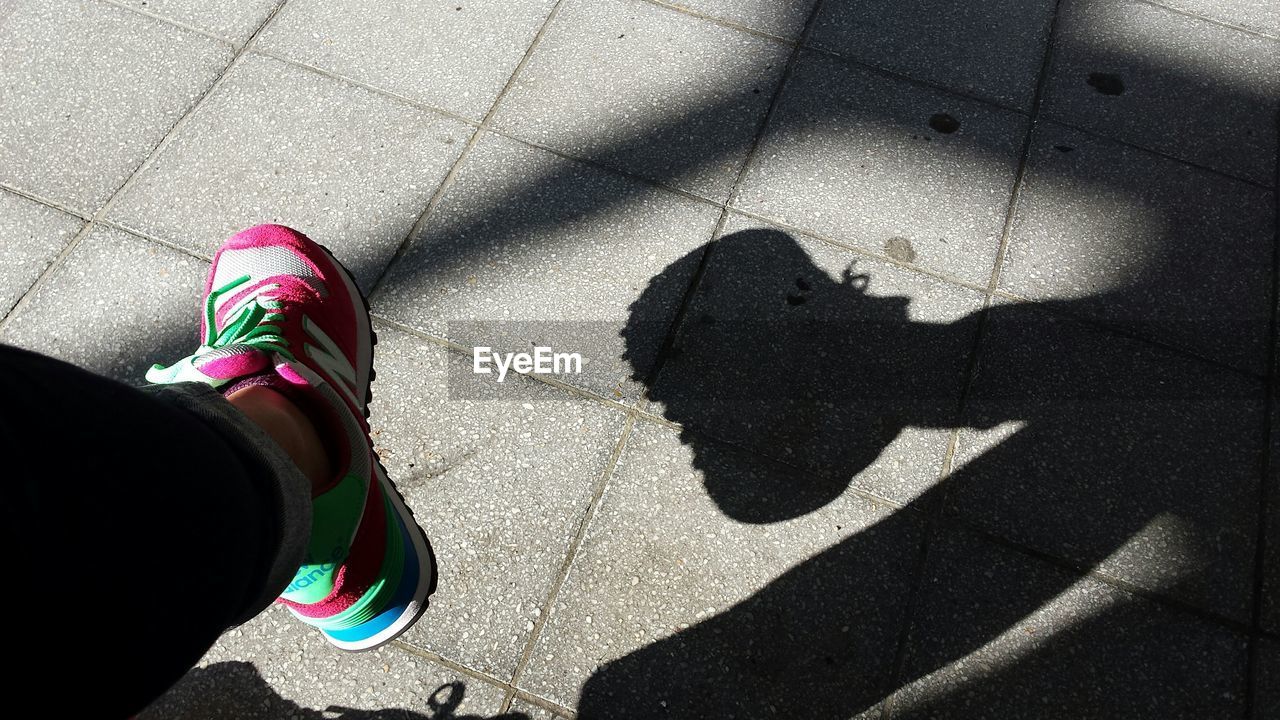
237, 690
792, 382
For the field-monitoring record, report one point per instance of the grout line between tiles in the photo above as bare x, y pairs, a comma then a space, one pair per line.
452, 175
174, 22
571, 554
86, 217
721, 21
934, 512
1269, 475
762, 128
100, 215
545, 704
453, 665
1211, 21
332, 75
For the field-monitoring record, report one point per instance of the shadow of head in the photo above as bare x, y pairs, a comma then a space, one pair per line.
236, 689
790, 351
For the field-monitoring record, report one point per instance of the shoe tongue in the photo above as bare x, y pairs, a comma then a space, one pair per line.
231, 362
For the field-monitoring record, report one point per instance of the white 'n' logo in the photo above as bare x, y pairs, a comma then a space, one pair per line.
332, 361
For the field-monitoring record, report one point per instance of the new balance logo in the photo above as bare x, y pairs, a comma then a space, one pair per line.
330, 358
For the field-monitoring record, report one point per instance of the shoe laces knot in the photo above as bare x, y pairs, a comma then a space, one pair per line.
254, 324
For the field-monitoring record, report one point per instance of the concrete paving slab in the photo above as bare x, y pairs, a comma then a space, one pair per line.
88, 90
673, 609
498, 480
528, 248
456, 56
1260, 16
276, 143
991, 50
1163, 250
231, 20
1146, 75
32, 236
640, 88
1113, 454
888, 166
783, 19
150, 317
275, 667
1000, 634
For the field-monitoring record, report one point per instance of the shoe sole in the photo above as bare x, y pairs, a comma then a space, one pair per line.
427, 567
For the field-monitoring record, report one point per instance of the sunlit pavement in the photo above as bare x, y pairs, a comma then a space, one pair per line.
926, 346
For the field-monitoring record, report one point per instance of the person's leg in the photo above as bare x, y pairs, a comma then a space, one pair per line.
154, 520
140, 526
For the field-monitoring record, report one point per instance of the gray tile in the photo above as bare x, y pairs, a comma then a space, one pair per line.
499, 481
530, 248
87, 90
276, 143
452, 55
115, 306
673, 610
276, 667
1262, 16
851, 155
993, 50
1266, 701
638, 87
784, 19
1002, 635
233, 20
1114, 454
32, 235
820, 358
1162, 249
1191, 89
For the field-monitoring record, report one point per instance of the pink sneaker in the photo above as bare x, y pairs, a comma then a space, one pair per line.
281, 311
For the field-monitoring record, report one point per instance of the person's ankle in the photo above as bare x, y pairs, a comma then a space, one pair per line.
292, 430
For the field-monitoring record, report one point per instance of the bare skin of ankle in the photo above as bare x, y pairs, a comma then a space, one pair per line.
289, 427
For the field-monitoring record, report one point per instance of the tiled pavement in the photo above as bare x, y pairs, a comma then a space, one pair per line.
964, 413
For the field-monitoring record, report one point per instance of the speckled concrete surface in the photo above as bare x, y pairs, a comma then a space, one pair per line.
533, 712
87, 90
528, 246
674, 608
1266, 702
78, 314
991, 50
267, 669
1002, 635
231, 20
1260, 16
1164, 81
32, 235
784, 19
500, 484
450, 55
852, 155
816, 465
1136, 499
1166, 251
630, 85
826, 327
278, 143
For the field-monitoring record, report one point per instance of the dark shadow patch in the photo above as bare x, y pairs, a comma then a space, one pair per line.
1106, 83
944, 123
